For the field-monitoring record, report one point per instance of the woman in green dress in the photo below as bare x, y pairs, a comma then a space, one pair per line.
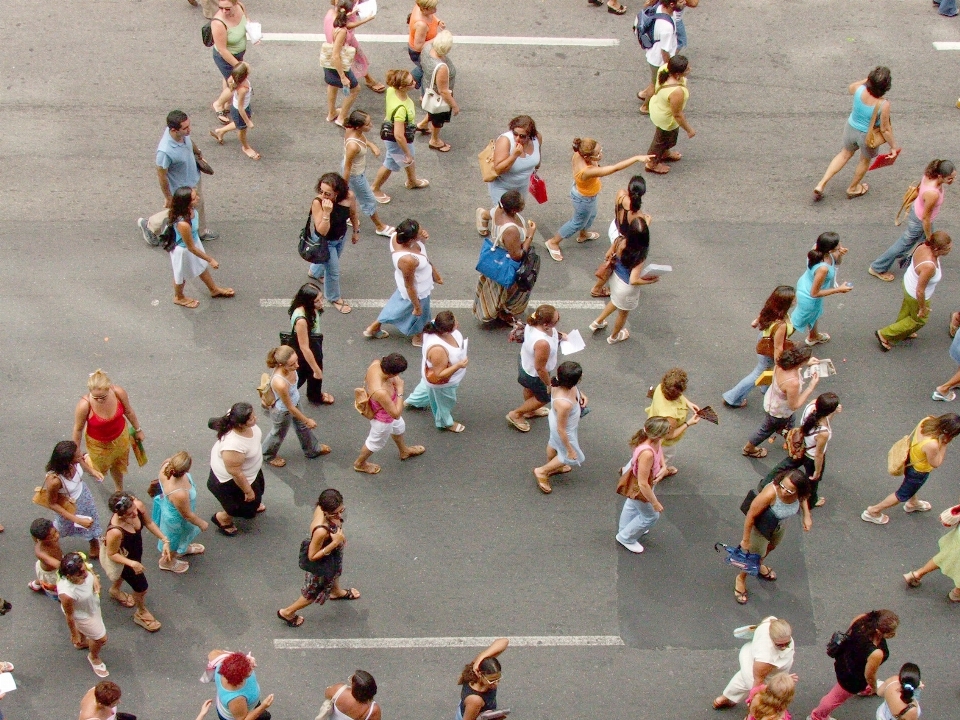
947, 560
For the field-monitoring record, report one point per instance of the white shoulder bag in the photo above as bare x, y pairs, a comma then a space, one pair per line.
432, 101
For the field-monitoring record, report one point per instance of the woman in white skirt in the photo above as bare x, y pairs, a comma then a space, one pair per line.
188, 257
629, 252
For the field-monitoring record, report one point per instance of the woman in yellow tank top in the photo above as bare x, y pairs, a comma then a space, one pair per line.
666, 112
928, 446
585, 192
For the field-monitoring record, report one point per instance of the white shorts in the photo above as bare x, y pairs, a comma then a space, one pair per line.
380, 432
92, 628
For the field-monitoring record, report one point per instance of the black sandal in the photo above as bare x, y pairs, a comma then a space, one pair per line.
294, 622
228, 530
622, 10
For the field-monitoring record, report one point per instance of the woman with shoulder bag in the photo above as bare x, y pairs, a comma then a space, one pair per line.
338, 77
438, 100
70, 498
334, 204
398, 150
353, 700
646, 468
506, 228
773, 327
516, 157
626, 209
307, 341
763, 527
286, 409
324, 558
229, 31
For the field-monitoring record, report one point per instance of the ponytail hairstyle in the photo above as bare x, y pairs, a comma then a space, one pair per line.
776, 306
568, 375
655, 427
180, 205
636, 245
343, 9
408, 231
239, 73
177, 466
98, 380
909, 681
826, 243
357, 119
636, 189
824, 406
279, 356
543, 314
238, 416
938, 169
444, 322
938, 240
879, 81
585, 147
488, 666
676, 66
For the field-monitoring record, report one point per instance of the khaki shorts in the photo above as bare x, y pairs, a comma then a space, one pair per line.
760, 545
113, 455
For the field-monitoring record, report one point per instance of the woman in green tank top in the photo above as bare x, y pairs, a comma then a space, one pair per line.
229, 30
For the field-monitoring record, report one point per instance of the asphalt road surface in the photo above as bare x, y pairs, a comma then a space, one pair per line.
459, 543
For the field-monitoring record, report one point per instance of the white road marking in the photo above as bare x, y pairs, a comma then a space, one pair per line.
460, 40
440, 304
946, 46
446, 642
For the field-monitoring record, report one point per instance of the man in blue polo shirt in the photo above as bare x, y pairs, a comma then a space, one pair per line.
176, 167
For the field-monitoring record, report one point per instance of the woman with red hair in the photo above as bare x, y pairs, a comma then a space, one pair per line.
238, 692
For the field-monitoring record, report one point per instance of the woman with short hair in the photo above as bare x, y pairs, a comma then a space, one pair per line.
439, 73
443, 368
398, 153
867, 99
354, 698
305, 310
238, 691
100, 703
101, 418
516, 156
768, 654
642, 509
330, 210
478, 682
236, 467
286, 409
326, 550
175, 511
668, 400
69, 496
78, 589
667, 103
538, 358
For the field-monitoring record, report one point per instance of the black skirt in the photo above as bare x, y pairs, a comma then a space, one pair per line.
231, 496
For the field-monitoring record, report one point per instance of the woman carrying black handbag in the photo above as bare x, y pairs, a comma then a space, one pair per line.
307, 341
321, 559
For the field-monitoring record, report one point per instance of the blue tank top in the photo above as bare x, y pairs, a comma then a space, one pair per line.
250, 690
294, 393
860, 115
194, 230
805, 283
782, 510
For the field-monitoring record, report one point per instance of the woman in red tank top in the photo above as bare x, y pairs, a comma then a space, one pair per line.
103, 414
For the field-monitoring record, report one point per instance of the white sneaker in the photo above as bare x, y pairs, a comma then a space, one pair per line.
633, 547
387, 231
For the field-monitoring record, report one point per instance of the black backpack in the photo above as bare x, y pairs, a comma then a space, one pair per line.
206, 33
167, 236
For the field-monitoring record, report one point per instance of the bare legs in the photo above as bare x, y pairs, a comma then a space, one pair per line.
339, 115
836, 165
215, 291
383, 174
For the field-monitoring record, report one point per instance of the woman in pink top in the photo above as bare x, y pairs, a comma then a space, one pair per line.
641, 509
920, 219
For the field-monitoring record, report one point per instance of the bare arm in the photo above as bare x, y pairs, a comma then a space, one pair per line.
181, 501
129, 413
818, 291
218, 28
348, 157
419, 35
242, 92
186, 234
935, 452
541, 354
233, 462
592, 171
644, 469
930, 198
870, 671
853, 86
443, 87
923, 278
408, 267
676, 107
779, 336
760, 503
791, 388
339, 37
495, 648
282, 389
760, 671
818, 455
321, 210
505, 154
886, 127
80, 415
54, 486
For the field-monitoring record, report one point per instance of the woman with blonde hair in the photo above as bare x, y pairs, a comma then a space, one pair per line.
642, 509
768, 654
101, 419
175, 511
286, 409
424, 26
440, 74
585, 192
771, 700
398, 153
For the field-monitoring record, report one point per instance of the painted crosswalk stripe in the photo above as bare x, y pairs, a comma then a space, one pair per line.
461, 39
946, 46
445, 304
446, 642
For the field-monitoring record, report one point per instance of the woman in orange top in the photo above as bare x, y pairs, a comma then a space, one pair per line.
424, 26
585, 191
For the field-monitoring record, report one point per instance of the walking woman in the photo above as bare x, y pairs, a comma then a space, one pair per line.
946, 561
773, 326
668, 400
626, 209
816, 283
124, 546
923, 211
666, 112
585, 192
339, 34
424, 26
867, 106
78, 589
479, 681
858, 659
229, 30
175, 512
900, 694
567, 406
928, 447
101, 418
188, 257
326, 552
538, 358
70, 498
408, 309
355, 146
398, 153
330, 209
236, 467
238, 691
443, 367
785, 396
353, 700
506, 228
768, 654
440, 74
240, 111
286, 409
642, 509
516, 156
305, 310
816, 430
945, 392
628, 253
787, 495
361, 64
919, 283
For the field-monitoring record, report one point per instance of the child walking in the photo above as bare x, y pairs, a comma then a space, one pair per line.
240, 112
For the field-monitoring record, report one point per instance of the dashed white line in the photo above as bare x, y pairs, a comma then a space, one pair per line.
446, 642
946, 46
460, 39
445, 304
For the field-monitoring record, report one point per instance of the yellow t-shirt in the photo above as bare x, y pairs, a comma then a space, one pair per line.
408, 113
675, 409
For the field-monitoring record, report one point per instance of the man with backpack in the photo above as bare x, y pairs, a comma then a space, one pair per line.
657, 33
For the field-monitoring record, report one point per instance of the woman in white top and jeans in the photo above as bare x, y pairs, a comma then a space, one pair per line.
355, 146
443, 367
354, 701
236, 467
538, 358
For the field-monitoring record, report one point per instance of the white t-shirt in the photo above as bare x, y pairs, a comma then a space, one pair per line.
86, 603
249, 447
766, 652
665, 35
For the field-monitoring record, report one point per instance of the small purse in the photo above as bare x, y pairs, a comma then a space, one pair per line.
875, 136
432, 101
387, 133
41, 497
605, 268
204, 167
538, 188
487, 171
111, 567
347, 54
835, 643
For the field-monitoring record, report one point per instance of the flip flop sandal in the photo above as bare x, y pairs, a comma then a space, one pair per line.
554, 252
483, 228
755, 453
216, 137
864, 188
723, 702
884, 345
6, 667
100, 669
351, 594
382, 198
420, 184
521, 425
954, 595
644, 110
588, 237
378, 335
378, 88
228, 530
817, 195
224, 117
369, 469
673, 157
543, 484
770, 576
440, 148
195, 549
294, 622
876, 520
261, 509
224, 293
921, 506
911, 579
277, 462
341, 306
187, 303
622, 10
564, 469
326, 399
605, 293
456, 427
540, 412
740, 596
885, 276
415, 450
123, 599
423, 130
618, 338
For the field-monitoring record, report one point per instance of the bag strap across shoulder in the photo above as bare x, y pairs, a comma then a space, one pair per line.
433, 75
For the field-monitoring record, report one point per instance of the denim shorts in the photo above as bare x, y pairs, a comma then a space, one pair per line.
393, 155
912, 482
223, 66
332, 77
237, 119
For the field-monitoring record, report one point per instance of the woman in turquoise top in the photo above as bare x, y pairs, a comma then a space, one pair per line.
816, 283
238, 692
174, 511
188, 257
867, 95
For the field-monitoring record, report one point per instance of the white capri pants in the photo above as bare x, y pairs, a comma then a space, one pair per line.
380, 432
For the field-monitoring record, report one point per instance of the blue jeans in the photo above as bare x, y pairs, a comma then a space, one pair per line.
738, 394
361, 188
636, 518
281, 419
584, 213
682, 32
329, 271
902, 248
947, 7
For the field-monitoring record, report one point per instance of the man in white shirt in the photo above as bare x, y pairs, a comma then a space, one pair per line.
664, 46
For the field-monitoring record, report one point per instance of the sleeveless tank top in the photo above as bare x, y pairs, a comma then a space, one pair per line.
860, 115
237, 35
518, 176
531, 336
782, 510
131, 542
249, 690
775, 401
106, 429
422, 276
496, 231
194, 231
489, 697
926, 185
433, 25
657, 459
588, 187
918, 458
338, 714
455, 355
291, 388
359, 165
338, 223
73, 485
911, 278
247, 98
